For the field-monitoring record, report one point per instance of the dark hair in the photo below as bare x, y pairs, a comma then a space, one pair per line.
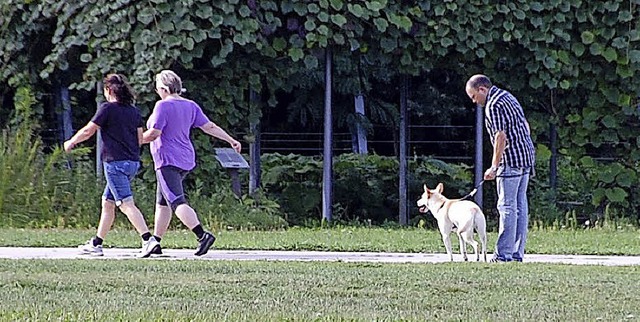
120, 88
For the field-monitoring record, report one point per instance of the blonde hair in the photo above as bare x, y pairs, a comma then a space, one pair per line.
170, 81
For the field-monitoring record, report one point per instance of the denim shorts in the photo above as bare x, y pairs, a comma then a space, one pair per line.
119, 175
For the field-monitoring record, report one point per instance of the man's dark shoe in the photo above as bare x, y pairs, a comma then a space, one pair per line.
205, 243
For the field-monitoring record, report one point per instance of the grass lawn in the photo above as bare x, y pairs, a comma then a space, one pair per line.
593, 241
186, 290
189, 290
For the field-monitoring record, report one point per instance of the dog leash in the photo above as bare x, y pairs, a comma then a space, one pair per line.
473, 192
475, 189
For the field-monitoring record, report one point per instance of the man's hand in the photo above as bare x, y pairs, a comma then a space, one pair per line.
490, 174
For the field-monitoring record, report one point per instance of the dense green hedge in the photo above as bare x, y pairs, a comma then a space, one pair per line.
365, 187
58, 190
572, 63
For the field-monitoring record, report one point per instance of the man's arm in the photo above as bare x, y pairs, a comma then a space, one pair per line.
82, 135
150, 135
498, 150
214, 130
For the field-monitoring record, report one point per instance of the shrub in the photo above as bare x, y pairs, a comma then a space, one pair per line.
365, 186
56, 189
36, 188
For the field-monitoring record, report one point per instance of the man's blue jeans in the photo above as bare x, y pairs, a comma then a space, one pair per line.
513, 207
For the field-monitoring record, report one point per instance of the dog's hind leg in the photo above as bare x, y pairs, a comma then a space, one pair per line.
481, 228
468, 238
483, 240
463, 247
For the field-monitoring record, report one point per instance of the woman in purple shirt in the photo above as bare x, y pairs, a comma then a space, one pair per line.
173, 154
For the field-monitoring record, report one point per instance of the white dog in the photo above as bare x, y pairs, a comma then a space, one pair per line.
464, 214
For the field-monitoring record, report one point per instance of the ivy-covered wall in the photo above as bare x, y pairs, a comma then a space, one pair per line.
572, 63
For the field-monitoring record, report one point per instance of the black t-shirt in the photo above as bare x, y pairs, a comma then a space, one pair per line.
119, 131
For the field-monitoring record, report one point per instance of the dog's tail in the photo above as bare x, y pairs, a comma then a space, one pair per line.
480, 225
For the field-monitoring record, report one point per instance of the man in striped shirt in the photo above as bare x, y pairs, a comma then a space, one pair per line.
512, 163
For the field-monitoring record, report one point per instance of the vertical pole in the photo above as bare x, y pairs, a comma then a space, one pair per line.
402, 199
327, 164
67, 125
235, 182
99, 95
67, 128
255, 171
479, 171
553, 161
360, 141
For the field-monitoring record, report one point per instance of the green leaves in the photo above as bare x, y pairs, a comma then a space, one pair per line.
376, 5
356, 9
537, 6
338, 19
279, 44
400, 21
381, 24
296, 54
146, 15
587, 37
634, 56
610, 54
336, 4
616, 194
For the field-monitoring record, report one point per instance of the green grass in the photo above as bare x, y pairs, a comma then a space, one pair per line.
185, 290
128, 290
593, 241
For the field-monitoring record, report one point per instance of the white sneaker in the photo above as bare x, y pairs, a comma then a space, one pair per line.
89, 249
149, 247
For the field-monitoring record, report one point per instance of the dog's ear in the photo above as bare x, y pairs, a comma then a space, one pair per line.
440, 187
425, 188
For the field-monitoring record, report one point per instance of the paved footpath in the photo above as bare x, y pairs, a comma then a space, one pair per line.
185, 254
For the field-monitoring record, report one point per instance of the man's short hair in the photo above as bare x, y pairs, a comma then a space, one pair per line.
476, 81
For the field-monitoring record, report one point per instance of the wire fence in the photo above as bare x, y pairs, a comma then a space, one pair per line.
445, 142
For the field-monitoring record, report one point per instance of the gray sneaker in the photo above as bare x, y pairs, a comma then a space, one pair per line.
151, 246
89, 249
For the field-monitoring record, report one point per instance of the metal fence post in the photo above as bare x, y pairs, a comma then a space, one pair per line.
327, 157
479, 171
254, 148
402, 173
99, 95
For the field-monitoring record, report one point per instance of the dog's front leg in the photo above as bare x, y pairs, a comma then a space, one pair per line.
447, 244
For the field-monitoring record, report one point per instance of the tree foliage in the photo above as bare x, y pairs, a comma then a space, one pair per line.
573, 63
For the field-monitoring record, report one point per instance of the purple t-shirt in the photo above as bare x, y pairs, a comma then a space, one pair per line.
175, 118
118, 131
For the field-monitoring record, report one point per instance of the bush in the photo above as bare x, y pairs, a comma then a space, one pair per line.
40, 189
56, 189
37, 189
365, 186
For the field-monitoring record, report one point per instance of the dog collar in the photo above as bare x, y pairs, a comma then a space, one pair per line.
442, 205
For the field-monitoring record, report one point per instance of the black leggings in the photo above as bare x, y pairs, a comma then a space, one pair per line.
169, 188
